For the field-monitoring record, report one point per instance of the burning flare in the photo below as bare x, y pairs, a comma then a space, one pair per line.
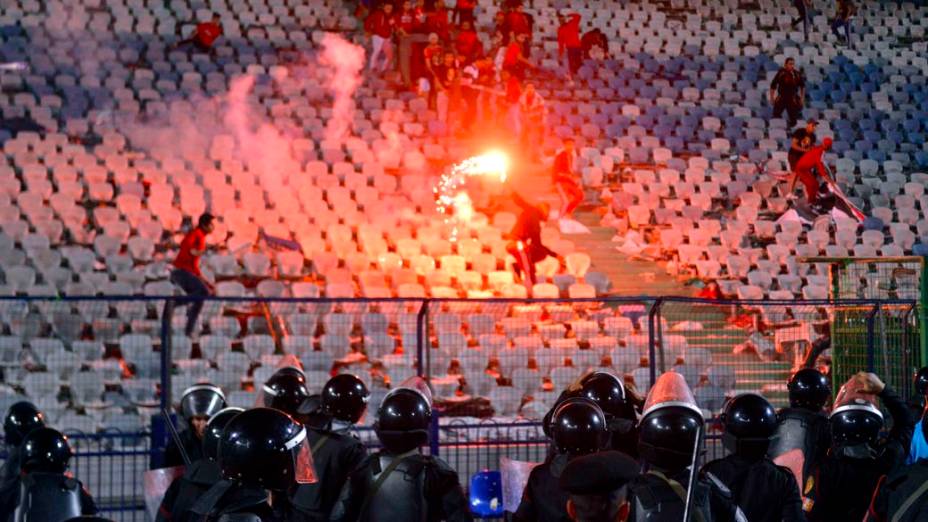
452, 200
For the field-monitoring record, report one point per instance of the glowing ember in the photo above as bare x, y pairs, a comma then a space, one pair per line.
452, 199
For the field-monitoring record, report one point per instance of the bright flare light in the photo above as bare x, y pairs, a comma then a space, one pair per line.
452, 199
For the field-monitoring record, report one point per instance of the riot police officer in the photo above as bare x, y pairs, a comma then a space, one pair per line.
763, 490
842, 484
578, 428
902, 496
802, 437
263, 455
671, 429
46, 492
918, 449
596, 485
197, 404
336, 451
607, 391
286, 391
20, 420
398, 482
200, 475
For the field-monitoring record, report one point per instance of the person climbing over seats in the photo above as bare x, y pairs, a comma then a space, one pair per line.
186, 273
564, 178
525, 245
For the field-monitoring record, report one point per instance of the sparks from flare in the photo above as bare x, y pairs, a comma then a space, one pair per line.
452, 200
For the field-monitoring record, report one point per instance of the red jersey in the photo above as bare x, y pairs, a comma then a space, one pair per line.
466, 4
207, 33
185, 260
568, 34
812, 159
437, 22
380, 24
468, 44
512, 54
408, 21
563, 166
513, 90
517, 23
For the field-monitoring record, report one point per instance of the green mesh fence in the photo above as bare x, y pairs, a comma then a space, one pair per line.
887, 338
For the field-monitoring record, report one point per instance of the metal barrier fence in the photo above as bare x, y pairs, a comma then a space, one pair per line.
110, 466
99, 363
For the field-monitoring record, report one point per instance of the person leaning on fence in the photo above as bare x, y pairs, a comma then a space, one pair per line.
186, 273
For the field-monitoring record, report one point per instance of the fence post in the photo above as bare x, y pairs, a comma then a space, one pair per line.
434, 434
159, 431
871, 343
423, 364
923, 313
653, 320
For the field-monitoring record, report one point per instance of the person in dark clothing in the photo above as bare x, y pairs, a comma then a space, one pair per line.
802, 438
671, 427
336, 451
21, 419
197, 405
764, 491
788, 92
200, 475
578, 427
48, 490
902, 496
263, 455
918, 449
526, 246
802, 140
595, 45
844, 12
597, 486
802, 7
842, 485
399, 482
186, 273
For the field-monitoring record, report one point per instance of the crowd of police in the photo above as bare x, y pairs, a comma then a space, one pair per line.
613, 457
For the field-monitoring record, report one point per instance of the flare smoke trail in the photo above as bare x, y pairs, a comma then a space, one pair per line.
346, 62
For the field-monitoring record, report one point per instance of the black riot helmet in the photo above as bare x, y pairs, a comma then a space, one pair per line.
855, 422
921, 382
265, 448
286, 390
403, 420
750, 421
201, 400
45, 451
344, 398
578, 427
608, 392
21, 418
808, 389
214, 428
670, 423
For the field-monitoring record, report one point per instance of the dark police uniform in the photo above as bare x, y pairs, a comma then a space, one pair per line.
903, 494
183, 493
658, 497
543, 498
192, 445
335, 455
764, 491
9, 481
405, 487
52, 496
841, 488
228, 500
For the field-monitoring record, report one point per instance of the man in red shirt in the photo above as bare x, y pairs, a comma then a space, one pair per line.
568, 40
467, 44
379, 26
807, 165
186, 273
464, 11
436, 21
204, 35
564, 179
408, 34
514, 59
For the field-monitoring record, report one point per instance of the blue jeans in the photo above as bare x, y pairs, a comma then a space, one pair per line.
192, 285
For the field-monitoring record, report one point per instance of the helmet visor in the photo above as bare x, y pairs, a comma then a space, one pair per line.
851, 397
670, 390
303, 470
417, 384
202, 400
